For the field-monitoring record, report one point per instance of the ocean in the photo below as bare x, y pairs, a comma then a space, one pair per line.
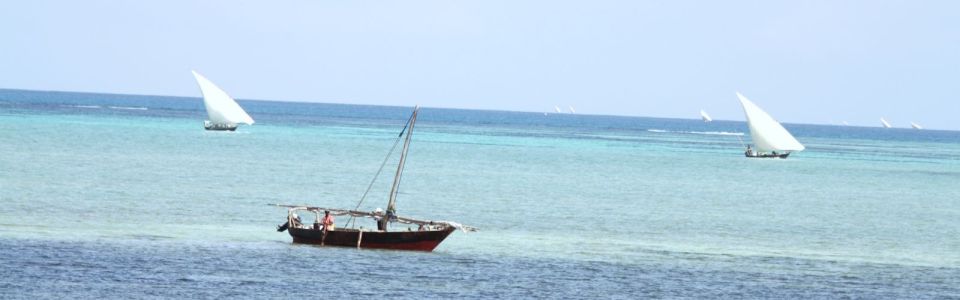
123, 196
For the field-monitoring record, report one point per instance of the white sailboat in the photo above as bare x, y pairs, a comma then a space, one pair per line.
705, 116
915, 125
222, 110
885, 123
769, 137
572, 111
557, 108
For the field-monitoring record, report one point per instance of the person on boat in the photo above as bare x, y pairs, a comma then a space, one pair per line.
327, 221
296, 221
378, 217
287, 225
749, 151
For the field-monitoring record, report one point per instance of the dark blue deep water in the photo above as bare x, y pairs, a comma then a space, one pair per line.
97, 269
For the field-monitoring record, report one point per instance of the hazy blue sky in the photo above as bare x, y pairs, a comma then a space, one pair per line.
802, 61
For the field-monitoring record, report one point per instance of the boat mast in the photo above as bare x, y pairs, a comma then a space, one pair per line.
392, 205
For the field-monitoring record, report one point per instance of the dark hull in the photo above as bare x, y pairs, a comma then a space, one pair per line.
220, 128
398, 240
768, 155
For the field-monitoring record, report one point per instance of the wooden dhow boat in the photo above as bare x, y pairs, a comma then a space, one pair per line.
222, 110
770, 139
706, 118
425, 237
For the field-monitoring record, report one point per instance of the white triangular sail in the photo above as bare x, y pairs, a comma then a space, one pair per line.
767, 133
705, 116
221, 108
557, 108
885, 123
915, 125
572, 111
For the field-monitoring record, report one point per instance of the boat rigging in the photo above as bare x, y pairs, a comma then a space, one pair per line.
428, 235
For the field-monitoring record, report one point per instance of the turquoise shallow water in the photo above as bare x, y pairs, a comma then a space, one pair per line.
128, 193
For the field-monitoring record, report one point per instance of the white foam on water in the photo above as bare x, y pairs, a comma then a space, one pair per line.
128, 107
697, 132
83, 106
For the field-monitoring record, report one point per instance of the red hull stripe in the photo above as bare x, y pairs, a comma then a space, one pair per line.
416, 246
398, 240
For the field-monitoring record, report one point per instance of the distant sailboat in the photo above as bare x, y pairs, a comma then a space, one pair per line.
223, 112
769, 137
705, 116
885, 123
572, 111
915, 125
845, 123
557, 108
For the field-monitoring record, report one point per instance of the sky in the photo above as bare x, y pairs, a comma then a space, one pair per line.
815, 62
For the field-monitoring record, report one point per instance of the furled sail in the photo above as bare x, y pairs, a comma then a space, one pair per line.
392, 204
221, 108
766, 132
705, 116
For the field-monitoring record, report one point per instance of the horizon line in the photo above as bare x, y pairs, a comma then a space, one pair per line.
459, 108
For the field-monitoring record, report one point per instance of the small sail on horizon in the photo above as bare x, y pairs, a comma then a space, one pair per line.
885, 123
557, 108
915, 125
223, 111
706, 118
767, 133
572, 111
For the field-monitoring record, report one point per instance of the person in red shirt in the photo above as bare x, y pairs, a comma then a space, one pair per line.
327, 221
